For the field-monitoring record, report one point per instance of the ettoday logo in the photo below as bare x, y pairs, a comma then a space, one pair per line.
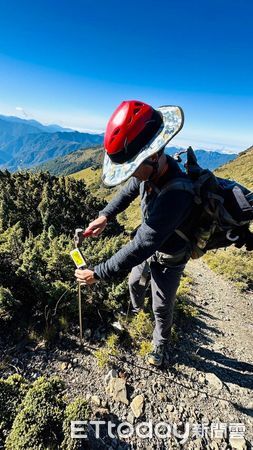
125, 430
160, 430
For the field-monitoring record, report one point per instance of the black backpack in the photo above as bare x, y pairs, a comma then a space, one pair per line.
222, 212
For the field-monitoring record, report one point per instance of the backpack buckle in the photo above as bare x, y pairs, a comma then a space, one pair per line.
231, 238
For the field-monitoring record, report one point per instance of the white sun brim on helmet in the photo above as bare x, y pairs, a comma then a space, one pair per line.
116, 173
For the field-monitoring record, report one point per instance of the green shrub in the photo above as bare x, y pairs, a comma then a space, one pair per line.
183, 307
141, 327
145, 348
38, 424
110, 348
38, 215
118, 295
12, 392
44, 271
77, 410
36, 416
9, 306
185, 286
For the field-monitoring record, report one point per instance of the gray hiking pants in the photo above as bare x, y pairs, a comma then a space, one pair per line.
164, 284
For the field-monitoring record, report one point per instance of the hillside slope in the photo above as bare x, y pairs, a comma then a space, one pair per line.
240, 169
72, 162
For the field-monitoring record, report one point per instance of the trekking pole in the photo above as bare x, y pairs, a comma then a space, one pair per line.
80, 263
80, 312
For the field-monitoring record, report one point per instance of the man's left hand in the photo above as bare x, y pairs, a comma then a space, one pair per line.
85, 276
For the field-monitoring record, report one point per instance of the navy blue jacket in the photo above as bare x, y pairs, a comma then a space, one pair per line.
161, 215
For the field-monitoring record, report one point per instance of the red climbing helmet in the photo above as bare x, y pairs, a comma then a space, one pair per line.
134, 132
129, 129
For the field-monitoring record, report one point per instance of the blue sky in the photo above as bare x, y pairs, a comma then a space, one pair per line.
73, 62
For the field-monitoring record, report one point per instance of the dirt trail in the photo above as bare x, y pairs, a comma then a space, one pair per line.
227, 311
221, 342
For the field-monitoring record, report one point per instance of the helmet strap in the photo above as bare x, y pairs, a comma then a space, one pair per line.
154, 165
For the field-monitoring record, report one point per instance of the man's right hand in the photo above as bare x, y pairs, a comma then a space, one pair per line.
98, 225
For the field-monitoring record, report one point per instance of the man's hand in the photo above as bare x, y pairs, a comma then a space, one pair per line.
98, 225
85, 276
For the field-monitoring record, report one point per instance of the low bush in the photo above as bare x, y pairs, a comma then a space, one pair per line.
38, 423
78, 410
234, 264
110, 348
12, 392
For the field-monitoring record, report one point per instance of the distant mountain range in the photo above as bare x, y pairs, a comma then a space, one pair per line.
25, 143
35, 124
28, 143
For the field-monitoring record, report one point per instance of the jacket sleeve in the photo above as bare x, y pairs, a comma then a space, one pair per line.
167, 214
122, 200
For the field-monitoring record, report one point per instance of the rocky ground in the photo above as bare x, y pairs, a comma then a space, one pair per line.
206, 385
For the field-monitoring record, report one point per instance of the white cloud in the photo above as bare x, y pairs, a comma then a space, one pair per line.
89, 130
21, 110
208, 144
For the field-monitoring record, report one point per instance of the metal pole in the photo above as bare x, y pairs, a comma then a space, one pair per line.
80, 234
80, 263
80, 311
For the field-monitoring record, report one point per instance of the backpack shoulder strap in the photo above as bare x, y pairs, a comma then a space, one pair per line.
179, 183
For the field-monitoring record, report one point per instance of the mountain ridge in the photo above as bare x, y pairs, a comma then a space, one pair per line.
25, 143
71, 163
51, 128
